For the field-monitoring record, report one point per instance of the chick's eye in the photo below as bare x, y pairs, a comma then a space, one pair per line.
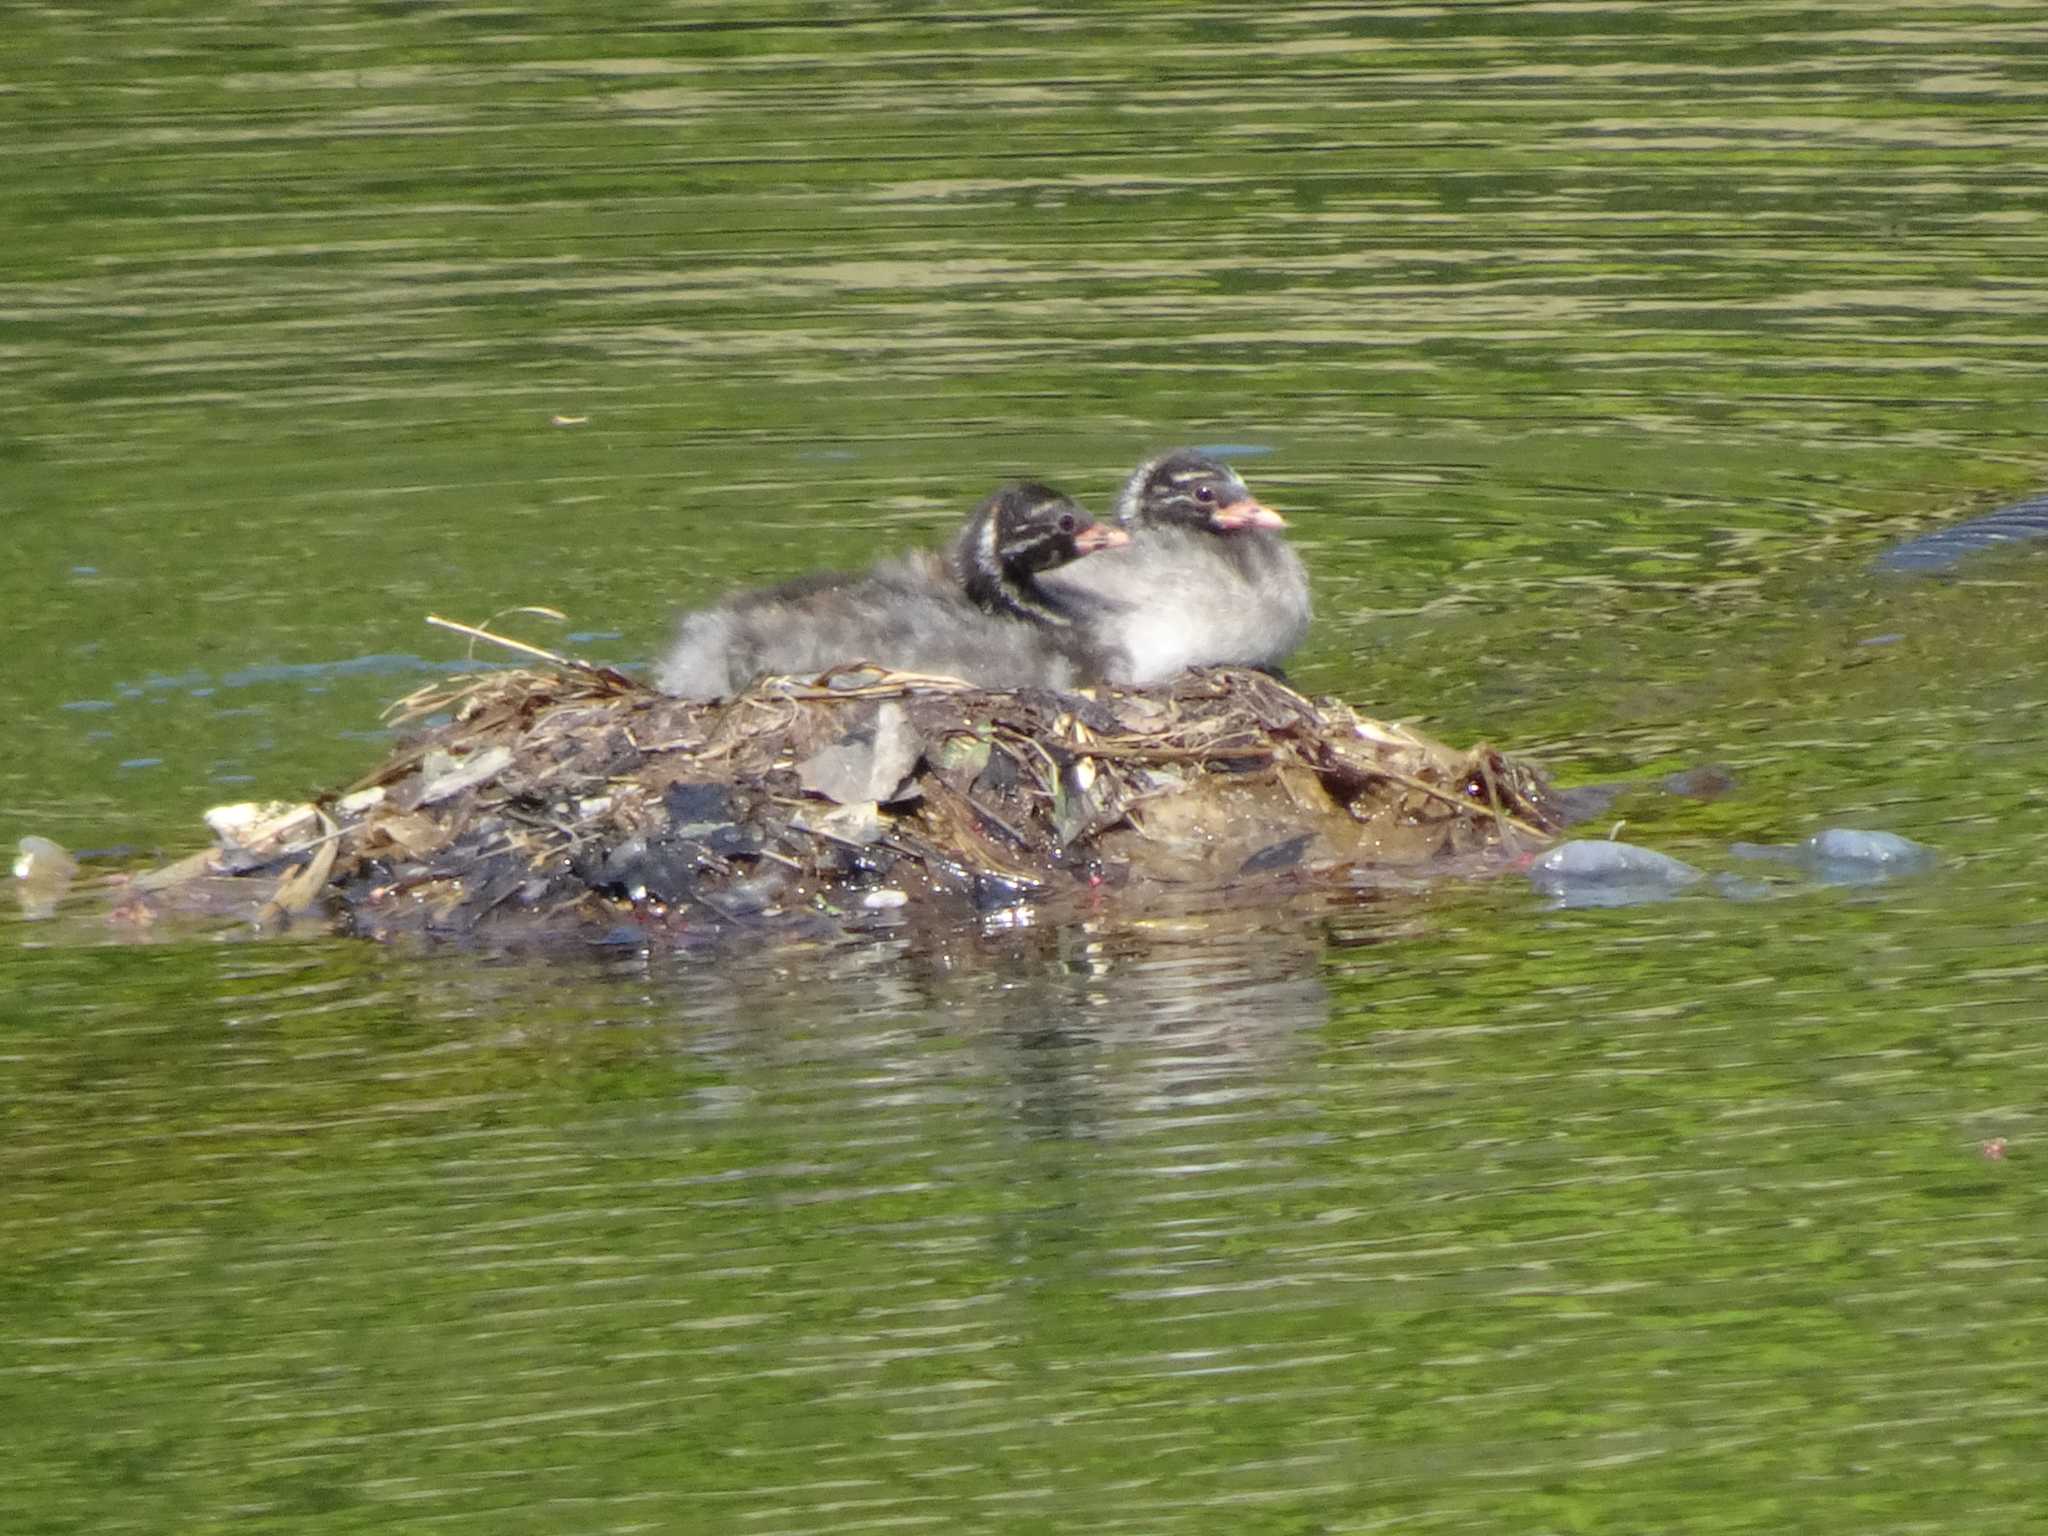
1205, 494
1066, 522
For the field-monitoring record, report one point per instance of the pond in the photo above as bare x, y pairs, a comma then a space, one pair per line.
1595, 355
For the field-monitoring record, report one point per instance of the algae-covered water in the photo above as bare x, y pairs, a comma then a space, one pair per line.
1593, 353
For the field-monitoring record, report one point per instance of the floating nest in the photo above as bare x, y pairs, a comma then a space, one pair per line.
575, 801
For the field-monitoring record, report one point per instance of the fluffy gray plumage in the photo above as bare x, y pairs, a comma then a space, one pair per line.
973, 612
1205, 580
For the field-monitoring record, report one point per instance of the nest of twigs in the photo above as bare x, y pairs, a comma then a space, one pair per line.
576, 800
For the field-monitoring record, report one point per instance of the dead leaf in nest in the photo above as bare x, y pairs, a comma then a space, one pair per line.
1305, 788
255, 833
1084, 801
299, 889
188, 868
859, 824
412, 834
362, 800
960, 757
868, 763
951, 821
443, 774
1140, 714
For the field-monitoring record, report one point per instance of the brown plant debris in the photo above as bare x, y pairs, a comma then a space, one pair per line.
577, 801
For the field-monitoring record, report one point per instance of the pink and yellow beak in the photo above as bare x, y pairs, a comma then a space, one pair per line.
1100, 536
1245, 514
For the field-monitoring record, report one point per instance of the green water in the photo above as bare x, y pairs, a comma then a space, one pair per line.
1592, 353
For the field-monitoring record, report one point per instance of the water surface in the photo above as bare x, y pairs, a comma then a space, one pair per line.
1593, 352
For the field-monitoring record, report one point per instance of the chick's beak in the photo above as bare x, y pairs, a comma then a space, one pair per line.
1245, 514
1100, 536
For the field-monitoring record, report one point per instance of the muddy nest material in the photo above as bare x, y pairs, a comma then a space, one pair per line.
576, 799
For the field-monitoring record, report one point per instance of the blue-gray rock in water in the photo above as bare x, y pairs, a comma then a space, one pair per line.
1593, 873
1944, 548
1843, 855
1846, 856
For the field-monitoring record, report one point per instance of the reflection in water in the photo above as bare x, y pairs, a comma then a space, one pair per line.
1074, 1028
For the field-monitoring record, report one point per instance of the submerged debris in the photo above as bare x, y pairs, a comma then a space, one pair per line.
1847, 856
1943, 549
1593, 873
576, 800
43, 873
